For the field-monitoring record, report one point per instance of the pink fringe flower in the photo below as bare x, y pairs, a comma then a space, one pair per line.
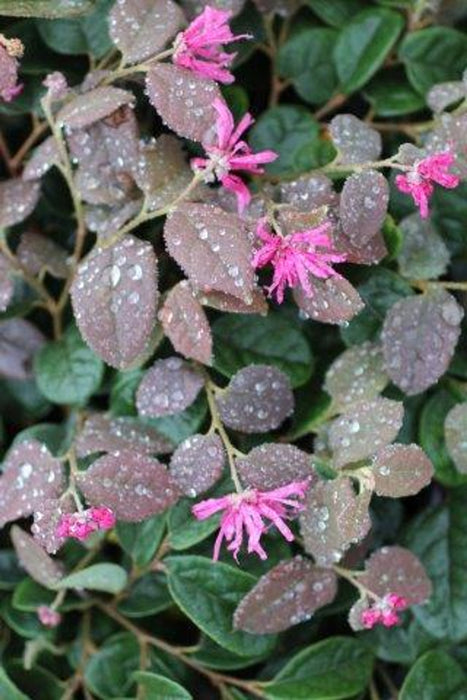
295, 257
199, 47
10, 51
80, 525
245, 514
231, 153
384, 612
419, 180
48, 616
56, 85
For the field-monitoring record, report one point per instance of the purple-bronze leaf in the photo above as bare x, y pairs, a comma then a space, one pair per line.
183, 99
30, 476
259, 398
186, 325
193, 8
102, 433
308, 192
168, 387
19, 341
365, 428
141, 28
397, 570
212, 248
288, 594
233, 305
46, 519
334, 518
114, 297
363, 205
134, 486
370, 253
197, 463
37, 253
401, 470
455, 430
334, 300
356, 141
44, 157
35, 560
272, 465
93, 106
7, 285
445, 94
17, 200
419, 338
356, 374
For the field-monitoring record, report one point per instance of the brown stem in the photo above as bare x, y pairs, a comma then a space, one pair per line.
332, 104
5, 153
39, 129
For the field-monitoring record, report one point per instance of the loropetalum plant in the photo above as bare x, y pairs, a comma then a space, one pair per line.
232, 370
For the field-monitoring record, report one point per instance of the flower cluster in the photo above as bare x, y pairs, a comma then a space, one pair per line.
296, 257
48, 616
418, 182
384, 611
245, 513
10, 51
81, 524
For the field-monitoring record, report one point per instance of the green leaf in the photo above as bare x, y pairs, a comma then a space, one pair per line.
295, 135
432, 438
210, 654
245, 339
435, 676
29, 595
449, 216
141, 540
39, 683
338, 667
10, 571
438, 537
109, 670
433, 55
123, 392
304, 59
159, 688
67, 371
184, 530
8, 690
391, 96
336, 13
208, 593
399, 645
26, 624
147, 596
363, 45
110, 578
45, 8
86, 35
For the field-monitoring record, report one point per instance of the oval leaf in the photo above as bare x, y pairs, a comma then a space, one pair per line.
102, 433
197, 463
356, 141
168, 387
272, 465
35, 560
363, 205
98, 577
94, 105
17, 200
357, 374
186, 325
401, 470
396, 570
334, 301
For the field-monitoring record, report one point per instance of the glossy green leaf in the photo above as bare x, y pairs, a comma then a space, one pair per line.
159, 688
147, 596
8, 689
83, 35
109, 670
141, 540
435, 676
336, 13
390, 95
98, 577
51, 9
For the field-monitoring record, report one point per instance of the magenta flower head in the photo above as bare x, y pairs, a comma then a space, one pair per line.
247, 513
48, 616
199, 47
296, 258
231, 154
384, 611
82, 524
419, 180
10, 51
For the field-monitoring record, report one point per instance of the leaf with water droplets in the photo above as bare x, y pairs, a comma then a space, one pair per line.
370, 253
47, 516
168, 387
193, 8
183, 99
259, 398
363, 205
141, 28
334, 518
355, 375
35, 560
455, 430
419, 338
105, 220
396, 570
233, 305
19, 342
401, 470
197, 463
102, 433
37, 253
30, 476
423, 255
114, 297
364, 428
44, 157
212, 248
445, 94
134, 486
7, 285
355, 141
272, 465
93, 106
308, 192
334, 300
288, 594
17, 200
186, 325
